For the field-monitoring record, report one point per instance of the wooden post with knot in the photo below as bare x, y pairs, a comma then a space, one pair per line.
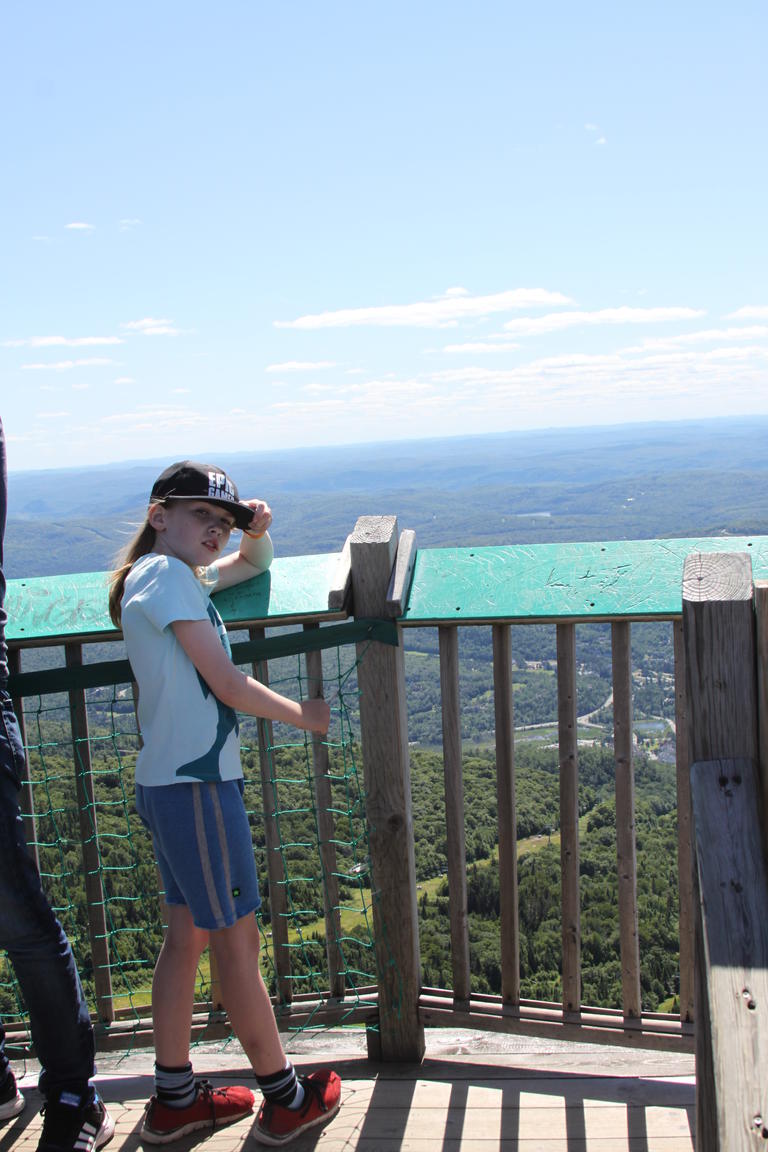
731, 897
386, 765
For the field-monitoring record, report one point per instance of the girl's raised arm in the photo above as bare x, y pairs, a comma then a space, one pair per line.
255, 553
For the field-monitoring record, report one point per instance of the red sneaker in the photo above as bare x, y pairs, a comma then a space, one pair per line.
322, 1096
212, 1108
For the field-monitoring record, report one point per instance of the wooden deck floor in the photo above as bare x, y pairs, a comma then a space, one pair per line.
472, 1093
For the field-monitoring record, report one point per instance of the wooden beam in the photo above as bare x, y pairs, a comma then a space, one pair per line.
505, 795
719, 642
89, 844
326, 833
278, 899
567, 743
734, 918
402, 573
384, 740
685, 861
448, 638
626, 850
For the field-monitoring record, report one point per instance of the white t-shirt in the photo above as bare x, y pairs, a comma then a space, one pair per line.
188, 734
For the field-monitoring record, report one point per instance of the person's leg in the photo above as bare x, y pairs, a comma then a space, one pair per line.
245, 995
180, 1105
36, 943
173, 986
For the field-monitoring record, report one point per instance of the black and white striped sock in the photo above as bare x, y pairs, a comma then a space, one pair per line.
175, 1087
282, 1087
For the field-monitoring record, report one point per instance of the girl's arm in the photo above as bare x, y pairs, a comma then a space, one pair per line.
233, 687
256, 550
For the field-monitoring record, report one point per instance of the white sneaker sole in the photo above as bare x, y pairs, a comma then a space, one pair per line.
12, 1107
278, 1141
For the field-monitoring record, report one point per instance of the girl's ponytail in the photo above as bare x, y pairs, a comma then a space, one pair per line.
142, 543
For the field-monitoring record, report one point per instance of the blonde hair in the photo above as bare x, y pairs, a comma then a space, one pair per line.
142, 543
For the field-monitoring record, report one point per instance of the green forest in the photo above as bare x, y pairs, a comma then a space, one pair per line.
129, 876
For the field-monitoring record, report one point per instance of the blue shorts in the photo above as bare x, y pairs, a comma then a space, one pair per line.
204, 848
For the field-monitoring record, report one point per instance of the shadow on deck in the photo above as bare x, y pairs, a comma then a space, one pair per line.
473, 1092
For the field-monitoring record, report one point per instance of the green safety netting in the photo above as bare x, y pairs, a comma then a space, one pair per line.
107, 894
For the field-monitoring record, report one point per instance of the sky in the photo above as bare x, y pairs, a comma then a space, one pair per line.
252, 226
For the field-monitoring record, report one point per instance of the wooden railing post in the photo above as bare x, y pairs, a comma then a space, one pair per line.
719, 641
89, 843
503, 711
326, 830
454, 810
626, 850
568, 753
278, 898
761, 617
684, 830
384, 739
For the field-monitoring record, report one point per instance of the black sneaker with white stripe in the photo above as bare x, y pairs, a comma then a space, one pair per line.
70, 1126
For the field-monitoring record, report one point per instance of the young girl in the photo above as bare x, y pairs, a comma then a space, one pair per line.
189, 792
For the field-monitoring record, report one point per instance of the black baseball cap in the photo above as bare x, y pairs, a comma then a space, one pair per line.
189, 480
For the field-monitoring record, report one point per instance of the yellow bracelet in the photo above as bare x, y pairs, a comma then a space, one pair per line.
254, 535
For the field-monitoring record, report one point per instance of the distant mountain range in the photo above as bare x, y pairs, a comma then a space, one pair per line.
629, 481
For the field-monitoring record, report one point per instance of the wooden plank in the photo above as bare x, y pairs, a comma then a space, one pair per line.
89, 845
719, 641
341, 581
761, 640
626, 850
48, 609
400, 583
448, 639
592, 581
384, 740
326, 833
509, 928
684, 829
278, 900
637, 579
567, 726
734, 914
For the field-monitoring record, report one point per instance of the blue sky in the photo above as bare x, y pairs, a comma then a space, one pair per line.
251, 226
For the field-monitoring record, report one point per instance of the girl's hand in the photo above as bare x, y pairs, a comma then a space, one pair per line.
315, 716
262, 517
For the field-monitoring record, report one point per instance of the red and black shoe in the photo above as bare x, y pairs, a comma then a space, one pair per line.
212, 1108
322, 1096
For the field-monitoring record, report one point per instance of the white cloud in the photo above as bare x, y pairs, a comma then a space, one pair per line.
66, 365
128, 223
750, 312
149, 326
124, 380
301, 366
601, 140
79, 226
557, 321
61, 341
705, 336
479, 346
591, 127
445, 312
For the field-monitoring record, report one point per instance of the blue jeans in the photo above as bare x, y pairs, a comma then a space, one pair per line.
36, 943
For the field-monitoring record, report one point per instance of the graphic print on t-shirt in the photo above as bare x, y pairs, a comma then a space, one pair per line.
206, 767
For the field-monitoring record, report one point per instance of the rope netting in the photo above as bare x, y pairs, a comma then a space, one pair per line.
306, 804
